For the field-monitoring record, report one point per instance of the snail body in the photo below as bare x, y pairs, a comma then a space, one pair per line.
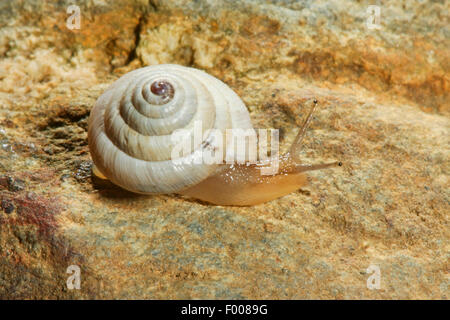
131, 139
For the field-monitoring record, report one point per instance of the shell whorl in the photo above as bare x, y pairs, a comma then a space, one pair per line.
131, 124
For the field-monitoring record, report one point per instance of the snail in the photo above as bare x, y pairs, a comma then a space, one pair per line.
131, 139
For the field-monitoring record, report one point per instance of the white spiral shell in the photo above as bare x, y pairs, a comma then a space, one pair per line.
130, 127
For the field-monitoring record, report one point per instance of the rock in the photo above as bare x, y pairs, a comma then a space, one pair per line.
7, 206
15, 184
383, 111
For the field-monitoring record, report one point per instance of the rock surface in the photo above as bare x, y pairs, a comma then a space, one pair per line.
384, 112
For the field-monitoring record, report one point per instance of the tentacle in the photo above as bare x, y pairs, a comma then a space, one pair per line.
294, 151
